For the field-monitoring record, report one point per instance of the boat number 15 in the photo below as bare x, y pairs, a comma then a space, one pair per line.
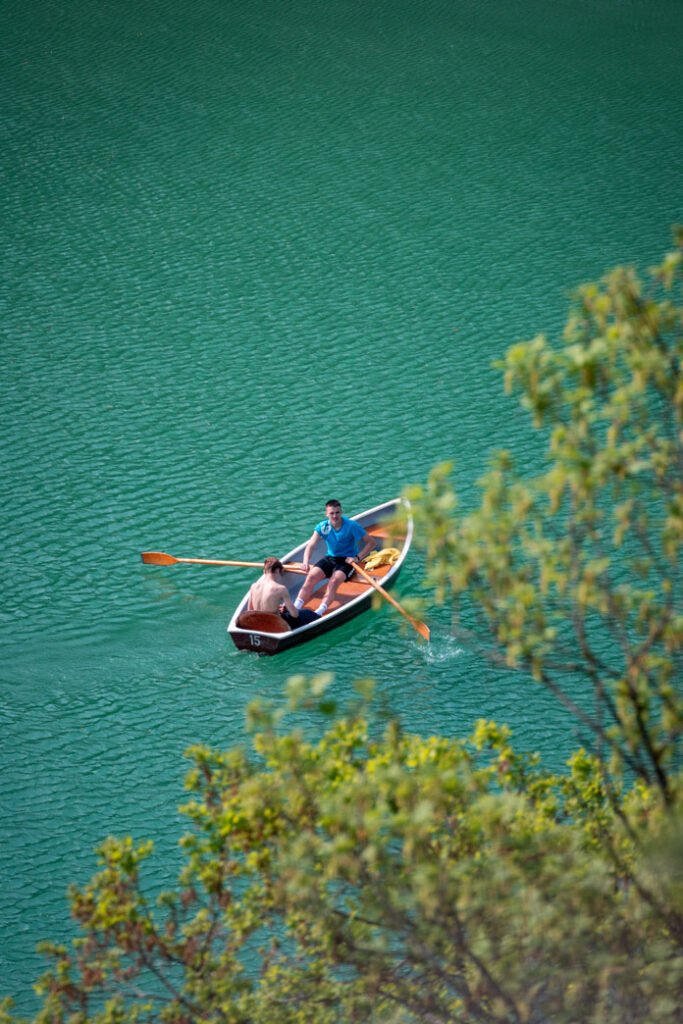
254, 640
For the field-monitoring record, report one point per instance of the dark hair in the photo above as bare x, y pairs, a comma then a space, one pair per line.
273, 565
333, 502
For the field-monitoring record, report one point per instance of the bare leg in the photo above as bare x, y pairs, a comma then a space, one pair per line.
314, 576
335, 579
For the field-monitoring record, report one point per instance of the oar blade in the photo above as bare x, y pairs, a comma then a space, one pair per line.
423, 630
157, 558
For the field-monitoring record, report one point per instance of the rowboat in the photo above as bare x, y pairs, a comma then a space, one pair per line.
268, 633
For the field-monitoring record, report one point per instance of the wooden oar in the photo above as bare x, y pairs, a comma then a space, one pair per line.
421, 627
161, 558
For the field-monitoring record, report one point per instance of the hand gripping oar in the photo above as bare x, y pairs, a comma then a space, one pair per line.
161, 558
421, 627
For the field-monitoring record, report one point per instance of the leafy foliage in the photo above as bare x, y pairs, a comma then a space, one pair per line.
576, 574
397, 878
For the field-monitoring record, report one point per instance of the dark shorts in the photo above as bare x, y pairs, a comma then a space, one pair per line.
304, 617
330, 565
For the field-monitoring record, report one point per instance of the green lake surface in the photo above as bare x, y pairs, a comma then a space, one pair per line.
256, 255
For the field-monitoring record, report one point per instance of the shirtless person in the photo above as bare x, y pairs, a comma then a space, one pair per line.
270, 594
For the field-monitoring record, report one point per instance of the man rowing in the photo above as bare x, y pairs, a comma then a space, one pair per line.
346, 541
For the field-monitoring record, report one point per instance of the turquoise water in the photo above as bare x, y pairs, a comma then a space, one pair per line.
256, 255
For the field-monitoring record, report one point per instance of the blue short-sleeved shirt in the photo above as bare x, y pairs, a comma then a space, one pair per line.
341, 543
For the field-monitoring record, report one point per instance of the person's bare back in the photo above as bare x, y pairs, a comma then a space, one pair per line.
266, 595
269, 595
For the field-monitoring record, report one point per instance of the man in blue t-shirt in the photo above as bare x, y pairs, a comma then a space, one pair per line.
346, 542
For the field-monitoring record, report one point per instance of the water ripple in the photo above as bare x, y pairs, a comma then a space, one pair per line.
257, 256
